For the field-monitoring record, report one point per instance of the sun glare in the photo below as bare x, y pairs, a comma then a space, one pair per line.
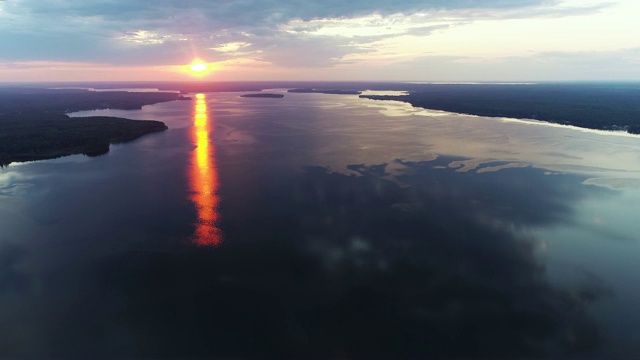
198, 67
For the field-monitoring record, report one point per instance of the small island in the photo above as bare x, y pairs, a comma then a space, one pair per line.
329, 91
34, 124
263, 95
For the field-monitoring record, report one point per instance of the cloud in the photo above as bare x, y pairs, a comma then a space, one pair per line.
144, 37
381, 40
620, 65
171, 31
231, 47
251, 12
299, 51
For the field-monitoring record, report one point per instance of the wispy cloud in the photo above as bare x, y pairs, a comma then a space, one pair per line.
144, 37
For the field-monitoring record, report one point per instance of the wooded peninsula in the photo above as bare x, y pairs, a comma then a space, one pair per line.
593, 106
34, 124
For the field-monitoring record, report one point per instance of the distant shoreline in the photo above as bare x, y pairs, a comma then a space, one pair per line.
591, 107
263, 95
30, 117
34, 124
325, 91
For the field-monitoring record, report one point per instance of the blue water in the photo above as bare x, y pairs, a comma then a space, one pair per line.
325, 225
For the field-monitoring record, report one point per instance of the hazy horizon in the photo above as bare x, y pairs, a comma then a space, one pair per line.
285, 83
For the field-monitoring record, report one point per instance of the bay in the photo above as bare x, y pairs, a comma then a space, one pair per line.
325, 225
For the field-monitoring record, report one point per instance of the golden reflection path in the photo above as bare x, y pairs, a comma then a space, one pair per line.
204, 177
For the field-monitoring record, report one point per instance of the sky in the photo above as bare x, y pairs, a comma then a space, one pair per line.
369, 40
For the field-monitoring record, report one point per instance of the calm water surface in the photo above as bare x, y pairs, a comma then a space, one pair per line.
325, 225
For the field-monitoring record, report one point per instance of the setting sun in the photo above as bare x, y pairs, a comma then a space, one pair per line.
198, 67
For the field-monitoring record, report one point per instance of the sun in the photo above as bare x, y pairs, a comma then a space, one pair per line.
198, 67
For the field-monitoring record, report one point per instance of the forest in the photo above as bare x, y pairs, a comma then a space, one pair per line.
594, 106
34, 124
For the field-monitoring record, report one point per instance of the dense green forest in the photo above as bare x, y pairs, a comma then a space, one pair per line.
62, 101
595, 106
33, 124
48, 136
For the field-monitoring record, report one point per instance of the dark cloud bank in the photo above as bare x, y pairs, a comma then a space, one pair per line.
250, 12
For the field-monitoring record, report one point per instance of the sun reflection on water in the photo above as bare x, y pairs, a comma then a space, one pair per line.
204, 177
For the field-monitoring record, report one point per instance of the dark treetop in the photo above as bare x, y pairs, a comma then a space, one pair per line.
594, 106
326, 91
263, 95
33, 124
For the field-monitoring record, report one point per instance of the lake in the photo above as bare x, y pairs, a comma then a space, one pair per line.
325, 225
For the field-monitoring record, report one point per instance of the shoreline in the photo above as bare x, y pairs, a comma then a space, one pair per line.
34, 124
477, 107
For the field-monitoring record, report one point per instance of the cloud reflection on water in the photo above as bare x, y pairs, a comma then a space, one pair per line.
328, 264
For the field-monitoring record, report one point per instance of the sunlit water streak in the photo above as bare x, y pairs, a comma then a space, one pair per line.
204, 177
